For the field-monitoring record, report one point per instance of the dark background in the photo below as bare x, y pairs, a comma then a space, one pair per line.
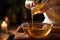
16, 12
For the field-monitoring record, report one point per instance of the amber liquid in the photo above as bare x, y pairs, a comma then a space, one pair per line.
36, 8
37, 32
33, 30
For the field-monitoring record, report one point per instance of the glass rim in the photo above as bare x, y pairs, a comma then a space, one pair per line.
28, 23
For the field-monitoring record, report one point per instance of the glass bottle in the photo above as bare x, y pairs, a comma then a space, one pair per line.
36, 8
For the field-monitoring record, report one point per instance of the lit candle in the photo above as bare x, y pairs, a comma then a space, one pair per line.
4, 26
6, 20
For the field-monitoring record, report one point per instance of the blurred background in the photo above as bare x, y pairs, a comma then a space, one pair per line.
16, 12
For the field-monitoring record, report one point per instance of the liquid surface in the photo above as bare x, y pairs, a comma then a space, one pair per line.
38, 32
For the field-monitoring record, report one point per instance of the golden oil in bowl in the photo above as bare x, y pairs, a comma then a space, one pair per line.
38, 30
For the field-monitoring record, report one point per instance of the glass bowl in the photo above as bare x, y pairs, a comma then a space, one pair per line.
37, 30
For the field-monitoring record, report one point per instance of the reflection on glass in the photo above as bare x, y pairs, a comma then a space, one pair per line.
38, 30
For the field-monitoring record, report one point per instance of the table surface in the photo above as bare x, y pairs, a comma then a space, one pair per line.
54, 35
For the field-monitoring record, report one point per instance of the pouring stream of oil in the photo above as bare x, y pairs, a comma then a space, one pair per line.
35, 10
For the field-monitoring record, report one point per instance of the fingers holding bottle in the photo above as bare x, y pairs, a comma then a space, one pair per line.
49, 4
30, 3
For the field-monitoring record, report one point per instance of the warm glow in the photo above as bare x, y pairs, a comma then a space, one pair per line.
37, 12
30, 33
48, 32
4, 36
6, 19
36, 9
4, 26
46, 27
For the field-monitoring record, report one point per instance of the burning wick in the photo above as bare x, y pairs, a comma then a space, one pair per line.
4, 26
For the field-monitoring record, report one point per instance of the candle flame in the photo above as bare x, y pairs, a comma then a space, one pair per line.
4, 22
3, 25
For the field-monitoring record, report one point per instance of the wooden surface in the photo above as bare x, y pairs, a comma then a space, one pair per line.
54, 35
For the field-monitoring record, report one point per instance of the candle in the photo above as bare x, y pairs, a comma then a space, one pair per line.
6, 20
4, 26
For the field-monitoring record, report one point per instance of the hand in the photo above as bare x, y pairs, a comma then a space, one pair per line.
30, 3
49, 4
20, 28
